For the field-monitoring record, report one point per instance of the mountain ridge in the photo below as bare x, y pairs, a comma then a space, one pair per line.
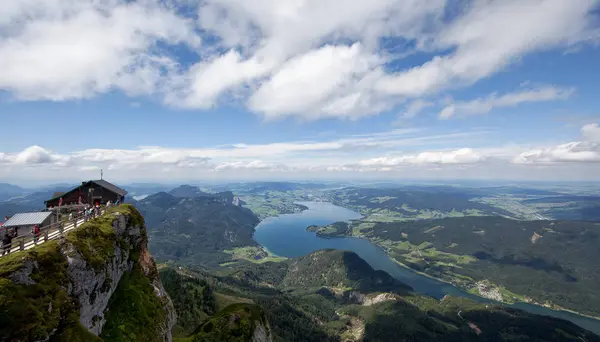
197, 229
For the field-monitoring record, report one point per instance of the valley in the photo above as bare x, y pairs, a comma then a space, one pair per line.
540, 261
287, 235
439, 259
345, 300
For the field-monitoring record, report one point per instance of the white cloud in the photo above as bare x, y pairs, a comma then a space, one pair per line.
88, 168
415, 107
206, 81
60, 50
287, 28
407, 153
487, 104
321, 83
279, 155
252, 165
585, 151
311, 59
591, 132
578, 151
460, 156
33, 155
491, 36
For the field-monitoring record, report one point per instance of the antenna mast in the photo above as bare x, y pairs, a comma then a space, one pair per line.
101, 174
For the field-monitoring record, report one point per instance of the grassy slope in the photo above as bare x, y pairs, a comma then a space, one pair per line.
31, 312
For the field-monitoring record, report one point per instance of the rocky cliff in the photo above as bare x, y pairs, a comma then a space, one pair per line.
97, 283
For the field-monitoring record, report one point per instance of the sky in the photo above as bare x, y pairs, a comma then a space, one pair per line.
157, 90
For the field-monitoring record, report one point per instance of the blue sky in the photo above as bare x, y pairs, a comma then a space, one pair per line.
260, 89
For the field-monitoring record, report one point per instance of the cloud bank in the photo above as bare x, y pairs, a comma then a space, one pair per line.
396, 153
311, 59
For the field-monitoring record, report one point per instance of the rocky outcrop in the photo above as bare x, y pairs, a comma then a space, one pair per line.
354, 330
94, 287
262, 332
382, 297
68, 286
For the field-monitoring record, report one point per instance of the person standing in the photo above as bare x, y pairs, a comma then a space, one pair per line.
36, 233
7, 241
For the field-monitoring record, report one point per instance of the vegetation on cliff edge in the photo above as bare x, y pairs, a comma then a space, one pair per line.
134, 312
36, 306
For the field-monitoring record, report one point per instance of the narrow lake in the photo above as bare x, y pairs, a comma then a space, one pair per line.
286, 235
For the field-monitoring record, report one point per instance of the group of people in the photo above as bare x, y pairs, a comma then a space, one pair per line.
11, 232
89, 212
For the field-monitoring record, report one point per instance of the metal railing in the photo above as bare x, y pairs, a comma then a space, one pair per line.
50, 232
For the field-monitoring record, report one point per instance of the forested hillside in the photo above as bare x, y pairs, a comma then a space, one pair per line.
196, 230
552, 261
335, 296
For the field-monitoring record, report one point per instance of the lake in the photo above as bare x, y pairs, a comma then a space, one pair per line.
286, 235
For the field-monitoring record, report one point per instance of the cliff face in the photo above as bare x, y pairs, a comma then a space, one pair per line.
99, 282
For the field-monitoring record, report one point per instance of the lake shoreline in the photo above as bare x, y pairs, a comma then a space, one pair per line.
287, 235
556, 308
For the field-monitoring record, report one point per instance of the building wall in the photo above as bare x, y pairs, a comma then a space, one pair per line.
99, 194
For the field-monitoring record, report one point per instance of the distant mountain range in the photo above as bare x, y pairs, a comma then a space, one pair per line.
188, 191
8, 190
257, 187
26, 201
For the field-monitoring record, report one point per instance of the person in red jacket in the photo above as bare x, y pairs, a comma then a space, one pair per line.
36, 233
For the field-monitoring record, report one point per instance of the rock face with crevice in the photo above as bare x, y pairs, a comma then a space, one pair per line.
74, 286
262, 332
93, 288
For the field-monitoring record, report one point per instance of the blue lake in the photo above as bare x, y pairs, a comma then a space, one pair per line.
286, 235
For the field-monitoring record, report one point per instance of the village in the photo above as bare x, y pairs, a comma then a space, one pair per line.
64, 211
